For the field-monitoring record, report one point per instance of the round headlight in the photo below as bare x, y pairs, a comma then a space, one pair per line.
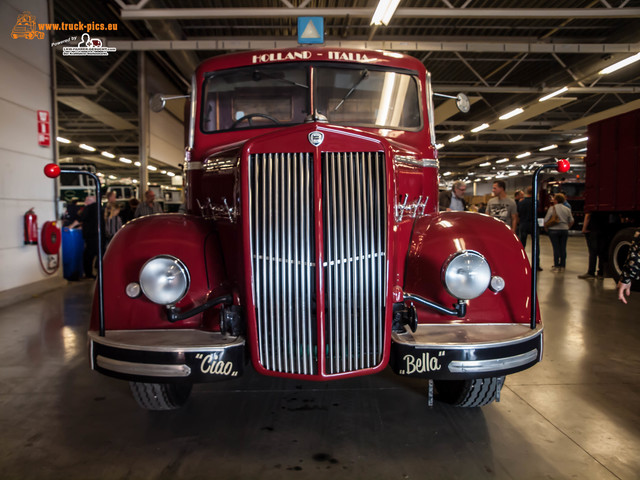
164, 279
466, 275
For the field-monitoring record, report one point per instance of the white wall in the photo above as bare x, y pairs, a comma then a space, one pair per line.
166, 133
25, 88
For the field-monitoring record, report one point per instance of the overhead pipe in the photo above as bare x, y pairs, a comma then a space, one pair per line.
492, 13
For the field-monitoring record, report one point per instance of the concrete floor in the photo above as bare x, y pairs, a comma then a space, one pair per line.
575, 415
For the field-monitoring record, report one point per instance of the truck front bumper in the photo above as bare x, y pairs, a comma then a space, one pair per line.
458, 352
166, 356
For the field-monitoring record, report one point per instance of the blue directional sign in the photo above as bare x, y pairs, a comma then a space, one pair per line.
310, 30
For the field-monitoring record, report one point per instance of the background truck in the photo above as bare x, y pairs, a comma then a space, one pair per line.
613, 181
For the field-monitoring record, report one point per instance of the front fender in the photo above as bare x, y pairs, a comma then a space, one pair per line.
189, 238
436, 237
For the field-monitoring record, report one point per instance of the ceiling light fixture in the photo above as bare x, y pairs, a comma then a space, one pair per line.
485, 164
152, 168
86, 147
579, 140
107, 154
551, 95
479, 128
512, 113
384, 12
125, 160
439, 146
502, 160
112, 177
456, 138
171, 174
137, 164
63, 140
522, 155
620, 64
548, 147
446, 174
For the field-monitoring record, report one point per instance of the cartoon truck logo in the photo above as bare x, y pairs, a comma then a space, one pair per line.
25, 27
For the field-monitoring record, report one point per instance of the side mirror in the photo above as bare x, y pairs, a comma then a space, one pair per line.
462, 101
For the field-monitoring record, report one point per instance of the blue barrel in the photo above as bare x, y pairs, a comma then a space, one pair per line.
72, 248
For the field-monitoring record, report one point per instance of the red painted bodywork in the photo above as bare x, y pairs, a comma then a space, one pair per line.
217, 253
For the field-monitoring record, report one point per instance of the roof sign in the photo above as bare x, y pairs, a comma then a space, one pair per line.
310, 30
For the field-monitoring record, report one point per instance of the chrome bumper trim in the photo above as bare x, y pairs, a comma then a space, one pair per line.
146, 369
492, 365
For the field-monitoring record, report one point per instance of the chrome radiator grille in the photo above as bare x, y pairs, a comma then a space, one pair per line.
355, 268
283, 250
283, 255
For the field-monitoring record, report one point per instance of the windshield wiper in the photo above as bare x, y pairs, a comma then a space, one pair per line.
364, 74
258, 74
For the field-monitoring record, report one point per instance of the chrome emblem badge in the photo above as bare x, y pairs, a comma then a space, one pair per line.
316, 138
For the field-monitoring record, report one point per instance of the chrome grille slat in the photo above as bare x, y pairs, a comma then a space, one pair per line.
283, 250
355, 273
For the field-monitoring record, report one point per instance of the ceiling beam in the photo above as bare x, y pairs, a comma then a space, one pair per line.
93, 110
596, 117
448, 109
272, 42
430, 13
575, 90
530, 111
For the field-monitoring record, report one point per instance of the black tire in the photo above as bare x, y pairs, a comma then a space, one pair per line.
618, 251
469, 393
160, 396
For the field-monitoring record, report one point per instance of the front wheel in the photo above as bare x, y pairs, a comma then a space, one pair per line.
469, 393
160, 396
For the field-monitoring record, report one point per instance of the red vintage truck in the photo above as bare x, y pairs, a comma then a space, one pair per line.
312, 247
612, 184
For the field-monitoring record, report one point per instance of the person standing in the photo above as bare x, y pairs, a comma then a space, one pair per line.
89, 219
502, 207
630, 270
526, 216
594, 229
149, 206
112, 218
559, 231
518, 196
453, 200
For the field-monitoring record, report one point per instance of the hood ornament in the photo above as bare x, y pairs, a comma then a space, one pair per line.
316, 138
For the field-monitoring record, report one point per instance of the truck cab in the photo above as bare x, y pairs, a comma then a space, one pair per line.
312, 247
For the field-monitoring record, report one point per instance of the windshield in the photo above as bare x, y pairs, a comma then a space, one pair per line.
279, 95
370, 98
256, 97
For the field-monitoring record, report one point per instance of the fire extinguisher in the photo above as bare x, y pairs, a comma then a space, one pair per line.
49, 241
30, 228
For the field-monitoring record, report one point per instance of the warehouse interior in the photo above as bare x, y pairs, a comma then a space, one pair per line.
574, 415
